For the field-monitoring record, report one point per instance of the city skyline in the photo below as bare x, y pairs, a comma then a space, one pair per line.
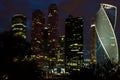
75, 8
64, 40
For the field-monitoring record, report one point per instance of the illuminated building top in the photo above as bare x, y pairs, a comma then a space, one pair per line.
108, 6
18, 15
19, 25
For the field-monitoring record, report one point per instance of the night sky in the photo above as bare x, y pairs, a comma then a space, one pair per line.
81, 8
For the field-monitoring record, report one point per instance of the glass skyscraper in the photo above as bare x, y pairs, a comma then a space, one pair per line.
107, 47
74, 43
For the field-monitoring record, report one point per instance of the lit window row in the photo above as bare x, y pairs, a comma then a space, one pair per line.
38, 23
17, 29
18, 25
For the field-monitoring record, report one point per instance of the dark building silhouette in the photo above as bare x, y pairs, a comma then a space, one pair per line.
19, 25
38, 25
74, 43
52, 23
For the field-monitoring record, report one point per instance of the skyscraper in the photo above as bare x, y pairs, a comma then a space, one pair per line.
74, 42
19, 25
38, 25
93, 39
52, 23
107, 47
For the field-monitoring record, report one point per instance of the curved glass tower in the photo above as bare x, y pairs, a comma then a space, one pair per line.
105, 23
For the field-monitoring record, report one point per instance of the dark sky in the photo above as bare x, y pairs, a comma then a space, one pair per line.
84, 8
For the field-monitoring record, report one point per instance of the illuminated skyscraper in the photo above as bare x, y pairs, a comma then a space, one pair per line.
93, 39
107, 47
74, 43
38, 25
52, 29
19, 25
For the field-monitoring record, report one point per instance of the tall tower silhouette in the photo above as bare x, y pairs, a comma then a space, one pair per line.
52, 23
38, 25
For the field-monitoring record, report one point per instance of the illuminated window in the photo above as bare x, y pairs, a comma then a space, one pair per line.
50, 15
24, 36
35, 38
53, 40
55, 11
39, 23
48, 33
112, 44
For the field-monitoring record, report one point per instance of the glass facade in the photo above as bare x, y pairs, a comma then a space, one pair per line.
107, 46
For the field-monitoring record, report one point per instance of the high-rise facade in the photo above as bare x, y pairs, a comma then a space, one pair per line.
107, 47
93, 39
74, 43
19, 25
61, 51
45, 41
37, 28
52, 23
